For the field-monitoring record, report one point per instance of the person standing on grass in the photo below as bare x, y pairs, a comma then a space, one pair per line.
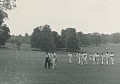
102, 58
82, 58
97, 58
94, 58
85, 58
90, 56
47, 60
107, 58
54, 59
112, 57
78, 55
70, 57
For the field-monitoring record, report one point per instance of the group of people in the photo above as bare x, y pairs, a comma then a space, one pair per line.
96, 58
82, 57
50, 60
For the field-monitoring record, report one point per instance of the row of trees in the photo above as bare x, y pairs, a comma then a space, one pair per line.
19, 38
4, 30
46, 39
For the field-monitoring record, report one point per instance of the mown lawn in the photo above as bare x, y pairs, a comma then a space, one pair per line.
27, 67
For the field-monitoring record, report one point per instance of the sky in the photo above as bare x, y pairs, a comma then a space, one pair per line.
88, 16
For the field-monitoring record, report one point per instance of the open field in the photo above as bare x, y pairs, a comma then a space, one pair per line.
27, 67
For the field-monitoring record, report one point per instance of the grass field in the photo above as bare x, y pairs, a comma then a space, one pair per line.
28, 68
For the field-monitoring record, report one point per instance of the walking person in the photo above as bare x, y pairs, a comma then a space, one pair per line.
102, 58
94, 59
47, 60
107, 58
82, 58
85, 58
112, 57
54, 59
97, 58
70, 57
78, 55
90, 56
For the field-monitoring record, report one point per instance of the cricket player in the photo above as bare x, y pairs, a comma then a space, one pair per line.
47, 60
97, 58
112, 57
107, 57
82, 58
90, 56
53, 58
85, 58
78, 55
102, 58
70, 57
94, 56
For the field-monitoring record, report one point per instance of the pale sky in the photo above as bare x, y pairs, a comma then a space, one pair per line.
88, 16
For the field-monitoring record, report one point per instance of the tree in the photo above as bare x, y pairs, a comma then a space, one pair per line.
4, 34
4, 30
116, 37
47, 41
26, 38
42, 38
36, 38
3, 15
62, 38
83, 39
57, 39
5, 5
71, 41
105, 38
96, 38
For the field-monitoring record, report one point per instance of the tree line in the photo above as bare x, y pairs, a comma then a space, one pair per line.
47, 40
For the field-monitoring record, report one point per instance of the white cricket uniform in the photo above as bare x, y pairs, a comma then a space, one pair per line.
107, 58
94, 58
97, 58
112, 57
102, 58
90, 56
82, 59
78, 55
70, 57
54, 57
85, 58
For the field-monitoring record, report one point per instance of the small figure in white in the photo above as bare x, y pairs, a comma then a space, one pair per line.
85, 58
70, 57
54, 59
112, 57
82, 58
102, 58
97, 58
78, 55
90, 56
107, 57
94, 58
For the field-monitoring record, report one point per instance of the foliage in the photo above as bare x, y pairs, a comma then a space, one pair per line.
8, 4
96, 38
71, 41
42, 37
116, 37
4, 34
24, 39
4, 30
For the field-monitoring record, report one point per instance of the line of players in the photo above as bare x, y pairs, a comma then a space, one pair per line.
96, 58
